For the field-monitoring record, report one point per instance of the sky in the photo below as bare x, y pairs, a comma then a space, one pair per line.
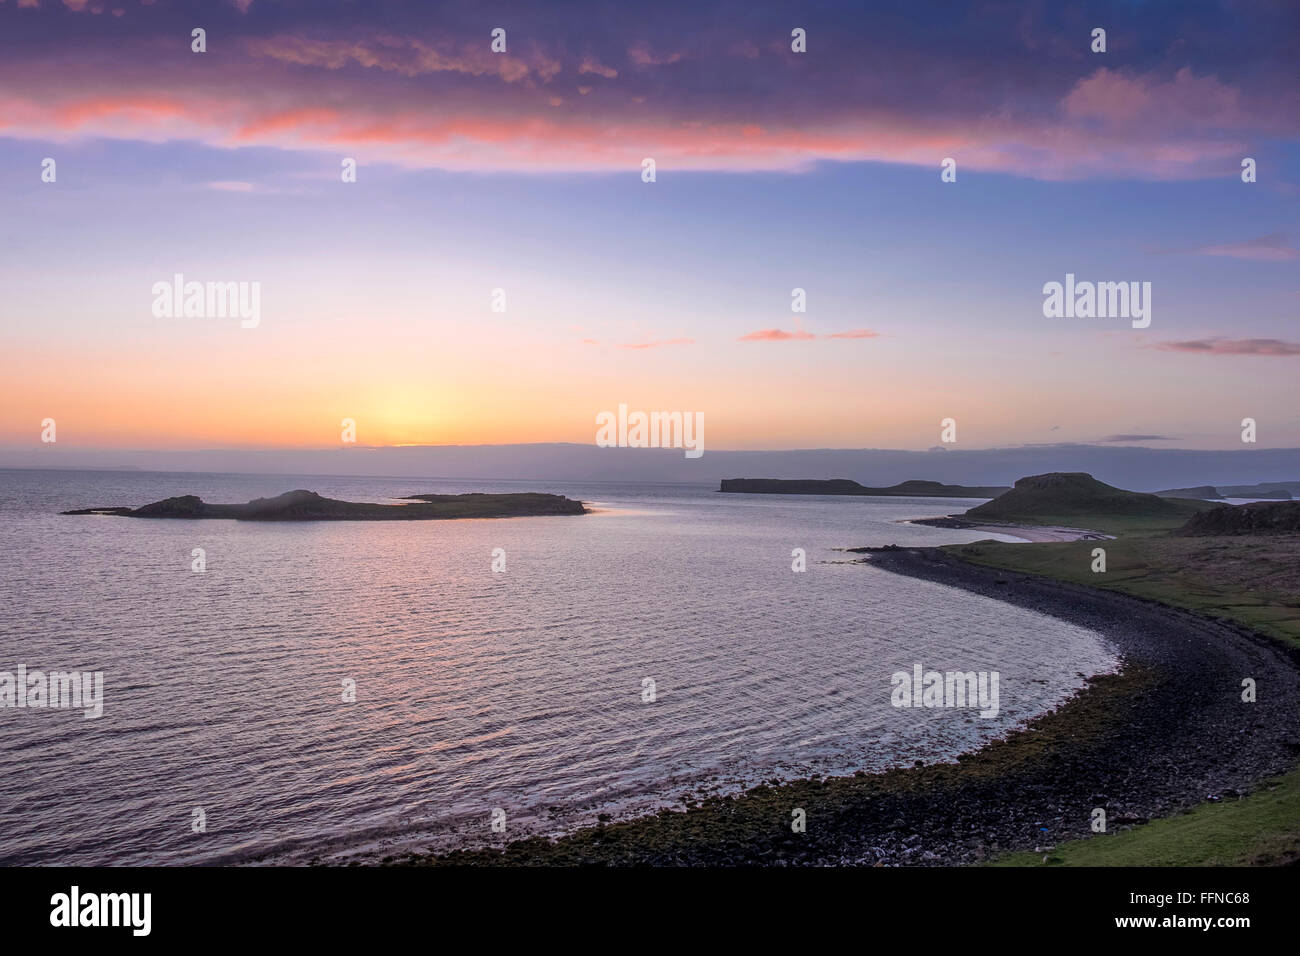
523, 171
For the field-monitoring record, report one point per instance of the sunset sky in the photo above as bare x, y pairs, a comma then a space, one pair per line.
522, 171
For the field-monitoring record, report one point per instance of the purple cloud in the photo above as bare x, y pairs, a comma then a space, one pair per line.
1222, 346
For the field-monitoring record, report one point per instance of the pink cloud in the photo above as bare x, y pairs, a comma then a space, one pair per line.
641, 56
1144, 102
1272, 248
287, 121
401, 55
467, 108
800, 335
591, 65
99, 111
466, 139
776, 335
516, 138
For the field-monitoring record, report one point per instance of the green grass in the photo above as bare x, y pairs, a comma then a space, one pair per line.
1070, 498
1252, 580
1262, 829
1110, 524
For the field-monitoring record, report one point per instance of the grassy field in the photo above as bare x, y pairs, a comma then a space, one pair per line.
1258, 830
1252, 580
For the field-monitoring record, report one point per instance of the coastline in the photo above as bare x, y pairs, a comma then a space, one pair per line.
1159, 737
1028, 533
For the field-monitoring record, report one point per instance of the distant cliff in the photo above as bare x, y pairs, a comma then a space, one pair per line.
844, 486
1203, 492
1280, 490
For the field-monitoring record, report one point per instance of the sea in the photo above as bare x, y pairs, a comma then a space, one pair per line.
290, 693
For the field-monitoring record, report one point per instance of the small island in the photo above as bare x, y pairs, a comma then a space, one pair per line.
844, 486
309, 506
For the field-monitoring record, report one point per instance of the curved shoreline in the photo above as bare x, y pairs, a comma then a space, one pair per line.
1163, 735
1033, 533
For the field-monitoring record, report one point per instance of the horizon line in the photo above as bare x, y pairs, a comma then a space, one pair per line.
298, 449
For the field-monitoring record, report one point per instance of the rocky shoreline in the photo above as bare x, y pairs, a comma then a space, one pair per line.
1025, 532
1165, 734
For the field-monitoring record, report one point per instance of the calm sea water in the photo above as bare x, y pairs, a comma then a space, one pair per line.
475, 690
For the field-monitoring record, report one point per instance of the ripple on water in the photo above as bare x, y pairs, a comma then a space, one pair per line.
474, 690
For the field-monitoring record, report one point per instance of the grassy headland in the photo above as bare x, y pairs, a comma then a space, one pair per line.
1235, 563
1078, 499
1213, 559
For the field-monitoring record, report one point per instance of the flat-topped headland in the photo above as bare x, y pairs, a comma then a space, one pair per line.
309, 506
1072, 500
1203, 492
1276, 490
845, 486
